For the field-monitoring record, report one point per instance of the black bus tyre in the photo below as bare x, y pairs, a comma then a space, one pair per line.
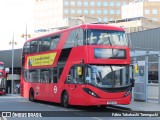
65, 100
31, 95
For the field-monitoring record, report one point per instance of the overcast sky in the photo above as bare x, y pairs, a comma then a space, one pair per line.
14, 14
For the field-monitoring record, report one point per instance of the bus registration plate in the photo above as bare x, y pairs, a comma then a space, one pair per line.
111, 102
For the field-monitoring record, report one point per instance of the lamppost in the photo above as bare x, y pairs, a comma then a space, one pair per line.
26, 35
12, 43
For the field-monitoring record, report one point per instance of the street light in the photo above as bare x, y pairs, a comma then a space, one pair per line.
12, 43
26, 35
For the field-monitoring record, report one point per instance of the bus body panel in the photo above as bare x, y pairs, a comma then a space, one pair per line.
77, 95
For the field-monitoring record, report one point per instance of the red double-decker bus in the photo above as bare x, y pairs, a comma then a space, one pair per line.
84, 65
2, 79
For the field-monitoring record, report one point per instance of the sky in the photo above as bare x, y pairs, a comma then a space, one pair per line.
14, 16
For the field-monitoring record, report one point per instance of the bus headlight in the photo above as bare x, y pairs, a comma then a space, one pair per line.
3, 90
90, 92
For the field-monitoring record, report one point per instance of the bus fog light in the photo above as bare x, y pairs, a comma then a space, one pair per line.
127, 93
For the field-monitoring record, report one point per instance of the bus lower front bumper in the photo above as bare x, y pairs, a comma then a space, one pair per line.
101, 101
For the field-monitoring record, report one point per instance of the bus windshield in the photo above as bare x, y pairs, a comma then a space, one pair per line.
108, 76
1, 66
2, 82
106, 37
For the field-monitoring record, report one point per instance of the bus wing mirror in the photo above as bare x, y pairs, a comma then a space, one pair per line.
79, 70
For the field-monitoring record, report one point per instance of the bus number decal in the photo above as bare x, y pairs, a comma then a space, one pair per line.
55, 89
41, 60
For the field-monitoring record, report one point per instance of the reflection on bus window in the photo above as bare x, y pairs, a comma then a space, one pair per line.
49, 75
2, 82
45, 76
26, 48
44, 44
106, 37
33, 76
33, 46
75, 38
76, 75
54, 41
109, 76
1, 66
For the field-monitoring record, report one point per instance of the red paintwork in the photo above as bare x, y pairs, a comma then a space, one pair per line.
1, 93
76, 95
3, 75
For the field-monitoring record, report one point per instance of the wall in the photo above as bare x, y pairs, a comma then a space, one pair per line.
147, 39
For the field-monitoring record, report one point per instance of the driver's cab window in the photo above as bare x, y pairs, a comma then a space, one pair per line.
76, 75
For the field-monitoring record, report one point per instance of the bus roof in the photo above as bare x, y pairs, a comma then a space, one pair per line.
84, 26
103, 26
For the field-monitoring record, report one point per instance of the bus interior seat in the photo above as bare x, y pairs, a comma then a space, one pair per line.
93, 40
101, 41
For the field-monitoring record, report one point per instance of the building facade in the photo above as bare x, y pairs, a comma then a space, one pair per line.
49, 12
6, 57
136, 24
149, 9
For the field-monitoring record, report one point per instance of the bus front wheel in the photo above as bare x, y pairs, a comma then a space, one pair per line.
65, 99
31, 95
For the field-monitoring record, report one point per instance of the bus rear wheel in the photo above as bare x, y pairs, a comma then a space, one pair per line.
65, 99
31, 95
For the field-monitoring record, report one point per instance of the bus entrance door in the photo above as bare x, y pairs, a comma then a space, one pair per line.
75, 82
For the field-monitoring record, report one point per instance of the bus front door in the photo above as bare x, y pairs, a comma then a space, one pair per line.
75, 82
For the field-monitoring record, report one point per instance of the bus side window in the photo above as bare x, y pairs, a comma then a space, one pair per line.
51, 75
33, 46
42, 77
79, 37
70, 42
33, 76
70, 77
54, 41
45, 76
75, 75
26, 48
45, 44
26, 75
55, 72
80, 74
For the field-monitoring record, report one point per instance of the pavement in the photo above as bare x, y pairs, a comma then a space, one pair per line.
150, 105
143, 106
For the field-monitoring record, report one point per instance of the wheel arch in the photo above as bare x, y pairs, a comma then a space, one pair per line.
31, 92
62, 94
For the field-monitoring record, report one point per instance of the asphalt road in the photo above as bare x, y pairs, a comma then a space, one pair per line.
20, 108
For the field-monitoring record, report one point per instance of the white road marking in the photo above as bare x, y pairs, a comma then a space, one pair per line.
96, 118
